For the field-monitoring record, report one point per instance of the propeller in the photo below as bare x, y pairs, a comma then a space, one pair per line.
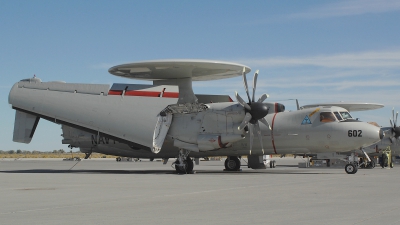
255, 111
395, 129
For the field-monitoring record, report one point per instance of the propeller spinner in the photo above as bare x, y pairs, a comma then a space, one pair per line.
255, 111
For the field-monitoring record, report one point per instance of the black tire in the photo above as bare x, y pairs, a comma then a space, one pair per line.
232, 163
188, 167
151, 159
350, 168
391, 164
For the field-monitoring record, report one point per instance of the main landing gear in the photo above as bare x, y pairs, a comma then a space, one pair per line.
232, 163
183, 164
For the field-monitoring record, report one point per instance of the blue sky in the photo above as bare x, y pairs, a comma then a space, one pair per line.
315, 51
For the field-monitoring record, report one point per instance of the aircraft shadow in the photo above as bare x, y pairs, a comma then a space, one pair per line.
146, 172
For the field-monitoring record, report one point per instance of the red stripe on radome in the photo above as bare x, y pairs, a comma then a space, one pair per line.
171, 95
111, 92
276, 108
272, 133
143, 93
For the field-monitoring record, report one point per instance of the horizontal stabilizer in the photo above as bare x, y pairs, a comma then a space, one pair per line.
24, 127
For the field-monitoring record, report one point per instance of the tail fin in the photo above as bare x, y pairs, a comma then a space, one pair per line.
24, 127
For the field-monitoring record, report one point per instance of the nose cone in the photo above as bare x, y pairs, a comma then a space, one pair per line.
370, 135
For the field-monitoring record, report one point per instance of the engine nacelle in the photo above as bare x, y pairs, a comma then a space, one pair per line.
208, 142
202, 127
214, 126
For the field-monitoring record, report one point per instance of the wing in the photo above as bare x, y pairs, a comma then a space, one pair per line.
350, 106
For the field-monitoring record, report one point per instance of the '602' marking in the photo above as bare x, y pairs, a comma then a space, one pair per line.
354, 133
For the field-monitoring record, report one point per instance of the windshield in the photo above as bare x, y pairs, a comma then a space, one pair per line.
325, 117
338, 116
345, 115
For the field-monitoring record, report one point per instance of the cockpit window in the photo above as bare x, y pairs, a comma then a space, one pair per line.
338, 116
346, 115
326, 117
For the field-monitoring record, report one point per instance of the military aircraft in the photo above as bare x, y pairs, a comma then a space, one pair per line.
166, 119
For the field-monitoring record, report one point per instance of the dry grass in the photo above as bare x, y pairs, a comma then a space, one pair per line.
53, 155
76, 154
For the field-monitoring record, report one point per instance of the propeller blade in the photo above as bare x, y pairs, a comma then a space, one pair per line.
245, 83
263, 97
391, 124
241, 101
393, 114
395, 122
245, 121
297, 104
264, 121
254, 84
258, 131
251, 136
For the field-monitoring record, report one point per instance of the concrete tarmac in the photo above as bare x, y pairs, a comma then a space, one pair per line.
103, 191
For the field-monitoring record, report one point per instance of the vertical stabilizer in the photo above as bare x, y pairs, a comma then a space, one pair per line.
24, 127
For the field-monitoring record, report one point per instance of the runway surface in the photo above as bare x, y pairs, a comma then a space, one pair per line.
103, 191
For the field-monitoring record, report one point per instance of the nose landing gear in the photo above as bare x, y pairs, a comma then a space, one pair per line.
352, 166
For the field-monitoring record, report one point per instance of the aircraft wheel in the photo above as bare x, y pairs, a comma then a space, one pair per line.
187, 168
391, 164
151, 159
272, 164
232, 163
350, 168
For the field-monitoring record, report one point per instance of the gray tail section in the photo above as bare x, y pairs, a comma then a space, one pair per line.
24, 127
